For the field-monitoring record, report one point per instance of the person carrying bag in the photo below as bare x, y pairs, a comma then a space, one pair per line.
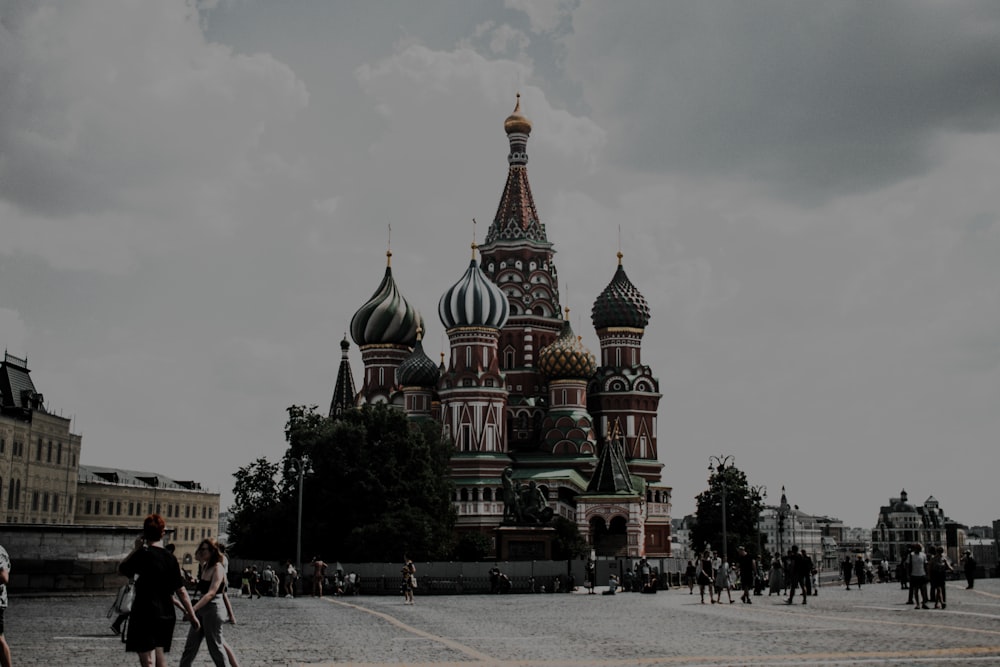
122, 607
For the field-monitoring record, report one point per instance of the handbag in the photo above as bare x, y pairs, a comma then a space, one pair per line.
123, 601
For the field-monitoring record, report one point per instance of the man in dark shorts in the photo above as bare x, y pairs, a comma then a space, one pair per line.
4, 577
796, 573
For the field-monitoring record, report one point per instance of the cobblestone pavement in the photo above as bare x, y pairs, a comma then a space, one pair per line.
872, 626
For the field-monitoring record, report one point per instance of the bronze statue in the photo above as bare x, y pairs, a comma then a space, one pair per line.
523, 504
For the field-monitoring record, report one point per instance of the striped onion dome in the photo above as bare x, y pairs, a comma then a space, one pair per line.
474, 301
620, 304
417, 370
566, 357
387, 318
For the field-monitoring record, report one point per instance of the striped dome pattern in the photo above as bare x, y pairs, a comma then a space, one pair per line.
620, 304
566, 358
474, 301
417, 370
387, 318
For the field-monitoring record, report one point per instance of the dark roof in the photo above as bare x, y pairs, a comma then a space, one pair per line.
344, 392
17, 391
118, 476
611, 474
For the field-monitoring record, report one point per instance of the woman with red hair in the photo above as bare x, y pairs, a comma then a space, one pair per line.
151, 623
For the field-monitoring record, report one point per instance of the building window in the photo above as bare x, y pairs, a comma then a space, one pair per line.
48, 455
170, 511
38, 450
34, 501
157, 508
131, 509
118, 508
2, 445
59, 453
210, 510
45, 502
17, 496
187, 511
55, 503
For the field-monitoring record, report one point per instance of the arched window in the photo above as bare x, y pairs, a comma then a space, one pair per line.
475, 494
488, 494
464, 495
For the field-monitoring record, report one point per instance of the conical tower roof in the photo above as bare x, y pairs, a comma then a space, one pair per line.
611, 476
516, 217
344, 392
566, 357
620, 304
386, 318
474, 301
417, 370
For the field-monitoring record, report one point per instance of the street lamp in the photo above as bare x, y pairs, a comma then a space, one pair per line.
299, 467
758, 493
721, 462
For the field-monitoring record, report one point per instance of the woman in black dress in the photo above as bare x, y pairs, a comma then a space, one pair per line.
151, 623
706, 576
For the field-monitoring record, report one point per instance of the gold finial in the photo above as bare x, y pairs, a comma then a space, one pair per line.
420, 333
474, 246
620, 255
388, 258
388, 246
566, 309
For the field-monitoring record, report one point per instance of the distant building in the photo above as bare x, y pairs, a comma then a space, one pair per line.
123, 498
38, 453
900, 524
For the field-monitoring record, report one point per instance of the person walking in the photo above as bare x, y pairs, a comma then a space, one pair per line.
209, 609
846, 568
151, 622
690, 575
748, 571
859, 570
969, 567
917, 566
796, 574
291, 574
4, 578
706, 576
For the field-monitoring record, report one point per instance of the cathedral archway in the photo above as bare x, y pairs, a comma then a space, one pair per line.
609, 539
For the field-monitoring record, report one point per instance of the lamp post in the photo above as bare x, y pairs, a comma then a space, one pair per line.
720, 463
299, 466
758, 493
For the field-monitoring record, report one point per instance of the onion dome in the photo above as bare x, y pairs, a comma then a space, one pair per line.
417, 370
620, 304
516, 122
387, 318
474, 301
566, 357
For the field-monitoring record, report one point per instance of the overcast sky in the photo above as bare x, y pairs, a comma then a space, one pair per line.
194, 202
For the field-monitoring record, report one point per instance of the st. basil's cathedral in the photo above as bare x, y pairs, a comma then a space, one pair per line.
520, 391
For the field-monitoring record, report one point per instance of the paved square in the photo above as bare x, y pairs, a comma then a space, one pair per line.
872, 626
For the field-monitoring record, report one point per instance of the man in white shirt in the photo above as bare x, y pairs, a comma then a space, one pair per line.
916, 563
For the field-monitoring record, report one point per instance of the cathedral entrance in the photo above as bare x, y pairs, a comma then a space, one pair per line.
609, 539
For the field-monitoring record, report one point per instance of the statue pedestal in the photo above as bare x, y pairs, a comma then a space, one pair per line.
525, 542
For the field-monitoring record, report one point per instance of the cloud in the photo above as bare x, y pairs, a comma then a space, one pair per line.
119, 111
545, 15
812, 100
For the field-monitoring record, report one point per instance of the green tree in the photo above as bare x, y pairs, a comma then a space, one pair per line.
568, 543
742, 511
375, 487
255, 505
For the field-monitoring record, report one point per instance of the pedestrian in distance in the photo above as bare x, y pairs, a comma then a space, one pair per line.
690, 575
291, 574
706, 576
859, 570
748, 570
409, 574
776, 577
4, 578
722, 579
151, 622
969, 567
917, 566
209, 609
939, 569
319, 575
846, 570
796, 573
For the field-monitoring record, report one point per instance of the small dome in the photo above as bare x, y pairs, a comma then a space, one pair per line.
344, 345
387, 318
516, 122
620, 304
417, 370
566, 358
474, 301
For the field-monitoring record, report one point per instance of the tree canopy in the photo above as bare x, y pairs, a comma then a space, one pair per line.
742, 511
375, 487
